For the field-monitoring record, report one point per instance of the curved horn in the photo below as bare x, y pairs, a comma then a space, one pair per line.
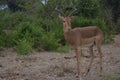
59, 11
74, 9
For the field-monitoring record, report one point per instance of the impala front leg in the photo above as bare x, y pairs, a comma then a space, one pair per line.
78, 56
91, 61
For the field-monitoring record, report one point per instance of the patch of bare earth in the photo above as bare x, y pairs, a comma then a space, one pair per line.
58, 66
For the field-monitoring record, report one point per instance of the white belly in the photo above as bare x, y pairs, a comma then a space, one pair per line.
88, 42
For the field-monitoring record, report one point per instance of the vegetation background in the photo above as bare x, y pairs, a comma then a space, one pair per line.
34, 24
28, 25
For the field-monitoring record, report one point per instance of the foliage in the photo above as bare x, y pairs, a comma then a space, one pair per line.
50, 42
10, 20
31, 32
24, 47
35, 24
64, 48
118, 26
89, 8
37, 31
108, 38
2, 39
114, 5
24, 40
110, 78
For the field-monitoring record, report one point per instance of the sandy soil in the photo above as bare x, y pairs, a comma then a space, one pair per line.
58, 66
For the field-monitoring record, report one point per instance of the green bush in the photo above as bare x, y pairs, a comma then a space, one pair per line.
108, 38
24, 41
43, 39
57, 28
82, 22
64, 48
43, 30
49, 41
24, 47
10, 20
89, 8
2, 38
7, 38
52, 34
118, 26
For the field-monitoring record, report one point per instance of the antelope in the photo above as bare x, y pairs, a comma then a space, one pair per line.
80, 37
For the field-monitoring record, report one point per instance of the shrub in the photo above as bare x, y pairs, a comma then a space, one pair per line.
11, 20
64, 48
24, 40
118, 26
25, 44
7, 38
52, 34
24, 47
8, 22
89, 8
108, 38
46, 40
49, 41
2, 38
82, 22
57, 28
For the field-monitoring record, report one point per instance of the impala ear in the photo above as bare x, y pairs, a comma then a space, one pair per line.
73, 17
61, 17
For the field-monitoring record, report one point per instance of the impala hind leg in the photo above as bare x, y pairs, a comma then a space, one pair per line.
98, 44
100, 55
91, 61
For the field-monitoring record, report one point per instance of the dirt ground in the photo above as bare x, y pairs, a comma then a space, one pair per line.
58, 66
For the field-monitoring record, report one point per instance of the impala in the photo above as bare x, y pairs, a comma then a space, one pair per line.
80, 37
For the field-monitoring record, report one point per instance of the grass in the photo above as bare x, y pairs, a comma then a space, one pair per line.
110, 78
65, 48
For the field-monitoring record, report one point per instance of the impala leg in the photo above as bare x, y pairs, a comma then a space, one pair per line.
91, 61
78, 56
98, 44
100, 55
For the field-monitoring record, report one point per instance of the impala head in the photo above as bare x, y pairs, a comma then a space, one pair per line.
66, 19
66, 22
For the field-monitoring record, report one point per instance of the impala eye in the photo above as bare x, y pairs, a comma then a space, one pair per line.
63, 21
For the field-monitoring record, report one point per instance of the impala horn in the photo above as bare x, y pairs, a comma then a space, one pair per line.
74, 9
59, 11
